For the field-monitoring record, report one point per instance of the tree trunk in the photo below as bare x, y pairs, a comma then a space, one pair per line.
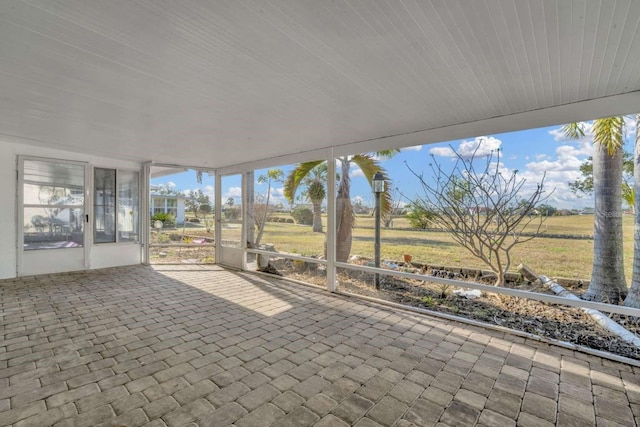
344, 214
608, 283
633, 298
317, 216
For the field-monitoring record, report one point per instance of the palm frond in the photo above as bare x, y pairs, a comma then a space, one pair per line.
573, 130
296, 176
608, 133
387, 154
369, 166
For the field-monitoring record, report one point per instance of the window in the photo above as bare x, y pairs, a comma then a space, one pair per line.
172, 207
115, 206
157, 205
53, 204
128, 206
168, 205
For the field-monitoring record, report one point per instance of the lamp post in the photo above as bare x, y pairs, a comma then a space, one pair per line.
378, 188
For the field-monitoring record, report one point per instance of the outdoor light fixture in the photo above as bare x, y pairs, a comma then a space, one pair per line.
377, 183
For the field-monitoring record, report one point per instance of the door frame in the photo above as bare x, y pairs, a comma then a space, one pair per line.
228, 256
87, 208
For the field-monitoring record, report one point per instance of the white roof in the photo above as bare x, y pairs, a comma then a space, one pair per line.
213, 83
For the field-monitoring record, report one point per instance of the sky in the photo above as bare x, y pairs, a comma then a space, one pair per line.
533, 153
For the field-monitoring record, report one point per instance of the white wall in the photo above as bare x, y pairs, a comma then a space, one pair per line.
100, 255
114, 255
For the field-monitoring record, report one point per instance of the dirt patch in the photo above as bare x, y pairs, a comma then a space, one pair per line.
543, 319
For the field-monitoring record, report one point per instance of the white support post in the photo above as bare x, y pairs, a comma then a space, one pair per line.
218, 218
245, 211
145, 213
331, 221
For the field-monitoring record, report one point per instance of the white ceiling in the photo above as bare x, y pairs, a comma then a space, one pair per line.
214, 83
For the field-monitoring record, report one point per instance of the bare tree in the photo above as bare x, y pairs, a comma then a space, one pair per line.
260, 211
482, 208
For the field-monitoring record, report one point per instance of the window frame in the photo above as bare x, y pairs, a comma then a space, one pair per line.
116, 207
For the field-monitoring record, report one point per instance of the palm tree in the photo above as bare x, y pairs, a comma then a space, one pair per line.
608, 283
315, 181
633, 298
369, 165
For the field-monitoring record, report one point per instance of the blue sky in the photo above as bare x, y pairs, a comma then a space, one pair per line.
533, 153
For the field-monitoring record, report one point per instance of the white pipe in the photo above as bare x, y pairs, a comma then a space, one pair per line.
596, 315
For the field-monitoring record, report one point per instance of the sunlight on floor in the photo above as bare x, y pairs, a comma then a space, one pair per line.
234, 291
259, 301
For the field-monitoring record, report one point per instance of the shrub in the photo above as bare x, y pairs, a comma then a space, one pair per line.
163, 238
168, 220
419, 217
303, 215
232, 213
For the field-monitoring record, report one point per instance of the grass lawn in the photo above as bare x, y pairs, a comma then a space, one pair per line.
568, 258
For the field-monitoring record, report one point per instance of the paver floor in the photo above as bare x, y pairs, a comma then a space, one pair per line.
195, 345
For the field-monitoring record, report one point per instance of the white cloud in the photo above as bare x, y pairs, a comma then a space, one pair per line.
234, 192
557, 134
277, 192
442, 151
480, 146
629, 126
500, 167
412, 148
356, 172
561, 170
584, 149
558, 169
561, 164
557, 188
276, 196
210, 191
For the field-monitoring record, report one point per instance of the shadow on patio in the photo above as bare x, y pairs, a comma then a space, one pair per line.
174, 345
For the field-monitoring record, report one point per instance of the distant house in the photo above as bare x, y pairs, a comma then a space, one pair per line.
167, 203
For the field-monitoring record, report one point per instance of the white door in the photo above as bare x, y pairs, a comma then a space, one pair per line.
53, 216
230, 224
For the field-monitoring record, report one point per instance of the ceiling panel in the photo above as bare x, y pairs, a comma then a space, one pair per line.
214, 83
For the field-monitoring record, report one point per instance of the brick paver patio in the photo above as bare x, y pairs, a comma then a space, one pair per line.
195, 345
